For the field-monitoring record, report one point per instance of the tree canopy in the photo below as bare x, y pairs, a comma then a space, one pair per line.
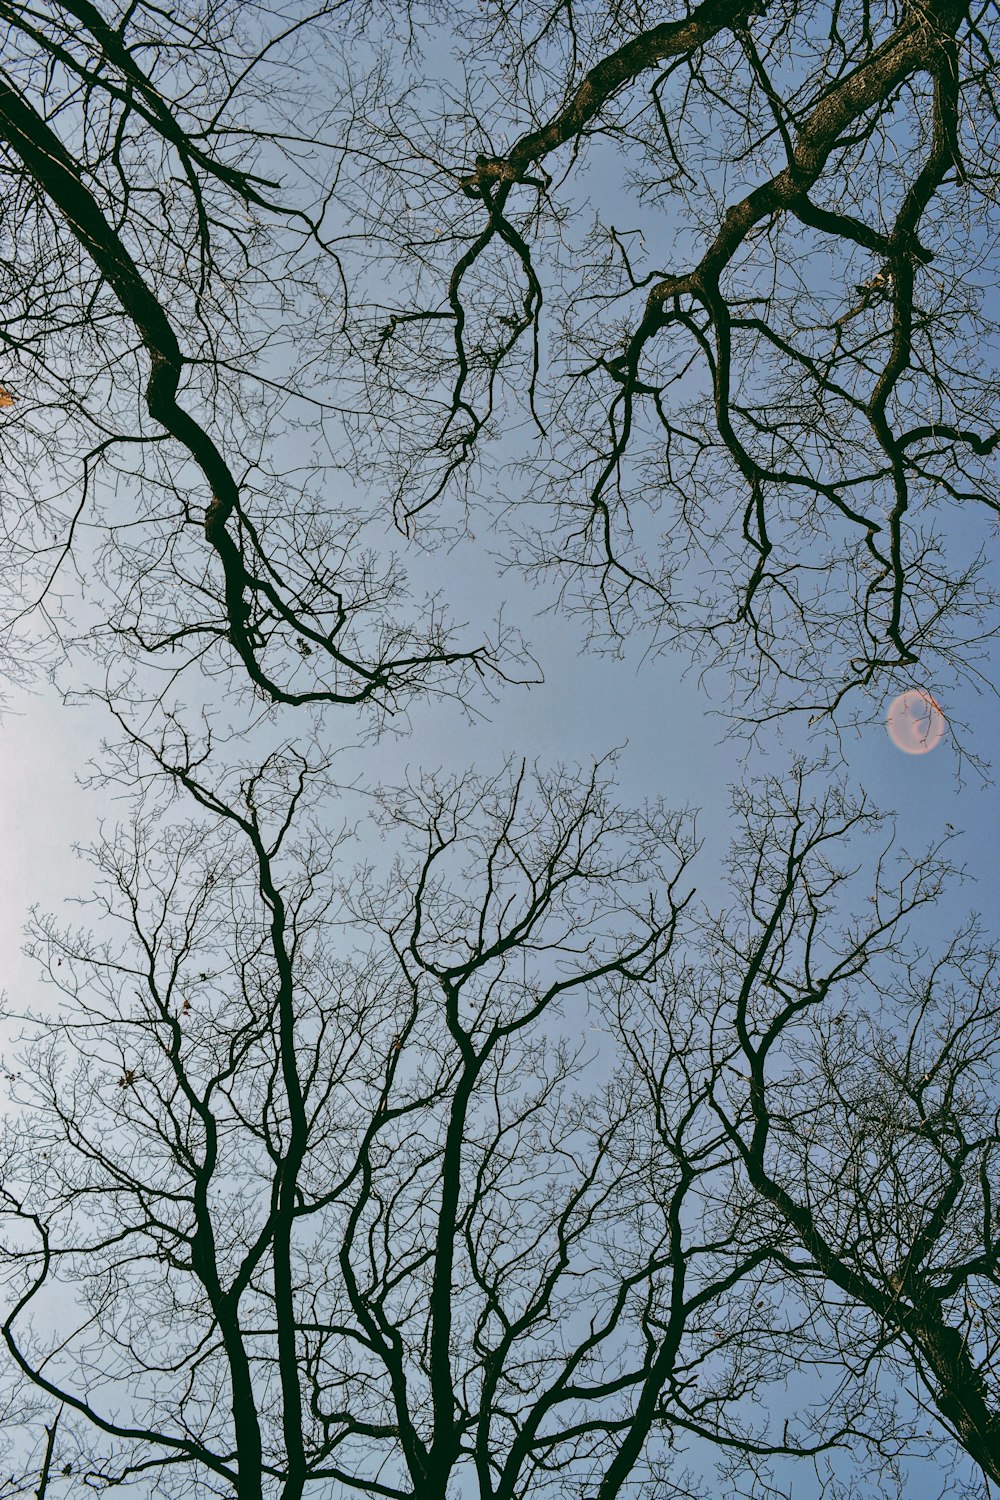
434, 1136
713, 286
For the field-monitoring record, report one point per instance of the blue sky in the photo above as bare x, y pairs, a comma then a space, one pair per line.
670, 724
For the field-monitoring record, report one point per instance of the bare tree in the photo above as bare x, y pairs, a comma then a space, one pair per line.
731, 268
750, 392
858, 1080
326, 1187
170, 287
319, 1185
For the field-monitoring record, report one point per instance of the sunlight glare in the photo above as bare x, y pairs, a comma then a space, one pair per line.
915, 722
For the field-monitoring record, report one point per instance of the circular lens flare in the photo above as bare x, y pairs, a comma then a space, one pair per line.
915, 723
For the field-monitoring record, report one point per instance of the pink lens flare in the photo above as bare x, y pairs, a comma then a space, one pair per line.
915, 723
